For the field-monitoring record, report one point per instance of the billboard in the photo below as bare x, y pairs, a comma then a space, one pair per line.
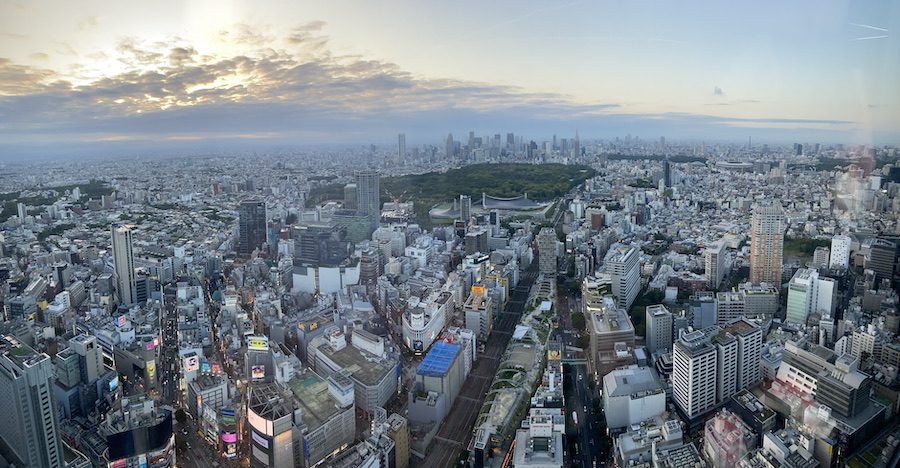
191, 363
258, 372
229, 437
121, 320
205, 367
259, 423
216, 368
258, 343
259, 439
151, 369
114, 383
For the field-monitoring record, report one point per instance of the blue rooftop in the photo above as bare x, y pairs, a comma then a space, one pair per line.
438, 360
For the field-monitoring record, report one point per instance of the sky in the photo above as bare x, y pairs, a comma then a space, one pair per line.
94, 76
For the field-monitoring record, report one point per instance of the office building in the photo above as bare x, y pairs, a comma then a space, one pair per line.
90, 357
694, 374
251, 226
546, 241
624, 269
882, 259
714, 259
368, 197
749, 338
401, 148
29, 435
659, 328
631, 395
702, 310
729, 306
123, 265
840, 253
760, 300
438, 381
323, 413
766, 243
465, 208
809, 293
479, 312
611, 334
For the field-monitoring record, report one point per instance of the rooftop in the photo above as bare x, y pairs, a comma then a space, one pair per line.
313, 399
364, 367
438, 360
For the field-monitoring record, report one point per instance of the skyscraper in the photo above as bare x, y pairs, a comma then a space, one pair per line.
252, 226
667, 172
465, 208
401, 148
29, 430
449, 148
714, 258
368, 193
123, 263
546, 241
577, 148
766, 243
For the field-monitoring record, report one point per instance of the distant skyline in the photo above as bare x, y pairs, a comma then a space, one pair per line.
102, 77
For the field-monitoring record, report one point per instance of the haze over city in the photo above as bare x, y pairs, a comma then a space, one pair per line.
90, 77
358, 234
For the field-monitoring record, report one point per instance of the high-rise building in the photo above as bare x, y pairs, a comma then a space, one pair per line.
546, 241
809, 293
510, 141
800, 296
30, 432
659, 328
729, 306
465, 208
766, 243
667, 173
449, 147
90, 357
123, 263
882, 259
840, 252
714, 258
350, 197
694, 374
22, 211
749, 345
251, 226
622, 265
401, 148
368, 193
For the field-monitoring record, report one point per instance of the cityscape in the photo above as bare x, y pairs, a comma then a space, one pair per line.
241, 235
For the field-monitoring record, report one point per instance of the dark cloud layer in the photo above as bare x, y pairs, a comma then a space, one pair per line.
293, 90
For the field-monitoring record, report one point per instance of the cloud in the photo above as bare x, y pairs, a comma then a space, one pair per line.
717, 91
290, 90
39, 56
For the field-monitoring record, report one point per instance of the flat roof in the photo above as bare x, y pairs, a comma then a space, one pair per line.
367, 371
438, 360
312, 397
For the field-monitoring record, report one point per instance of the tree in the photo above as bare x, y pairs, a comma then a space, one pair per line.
583, 342
180, 416
578, 321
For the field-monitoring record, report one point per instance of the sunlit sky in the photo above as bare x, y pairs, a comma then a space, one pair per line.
95, 75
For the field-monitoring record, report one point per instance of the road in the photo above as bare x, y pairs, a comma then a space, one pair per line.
584, 436
456, 429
